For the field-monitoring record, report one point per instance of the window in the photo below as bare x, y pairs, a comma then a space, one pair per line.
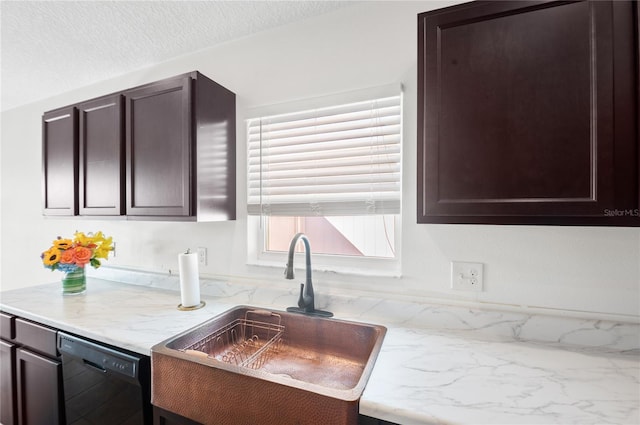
354, 236
331, 172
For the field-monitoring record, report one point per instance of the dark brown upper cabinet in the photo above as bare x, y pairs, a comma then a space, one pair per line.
60, 162
164, 150
528, 113
158, 134
180, 161
101, 189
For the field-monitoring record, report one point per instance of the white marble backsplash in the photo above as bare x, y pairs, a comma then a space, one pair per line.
485, 324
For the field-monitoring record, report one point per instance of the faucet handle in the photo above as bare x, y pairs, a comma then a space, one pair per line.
301, 302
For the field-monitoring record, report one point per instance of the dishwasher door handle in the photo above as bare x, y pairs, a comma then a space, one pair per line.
100, 357
94, 366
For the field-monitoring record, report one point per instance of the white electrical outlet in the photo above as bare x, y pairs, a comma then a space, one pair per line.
202, 256
466, 276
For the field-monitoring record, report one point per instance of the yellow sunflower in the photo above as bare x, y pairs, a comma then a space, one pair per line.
51, 256
62, 243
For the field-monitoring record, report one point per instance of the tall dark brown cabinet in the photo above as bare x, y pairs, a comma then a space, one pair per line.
60, 161
528, 113
180, 149
159, 148
101, 183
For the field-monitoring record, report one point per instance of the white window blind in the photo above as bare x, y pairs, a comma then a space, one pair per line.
338, 160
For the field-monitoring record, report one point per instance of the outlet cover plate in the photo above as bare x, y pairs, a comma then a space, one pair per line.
202, 256
467, 276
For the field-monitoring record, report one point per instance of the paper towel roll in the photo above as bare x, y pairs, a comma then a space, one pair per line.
189, 279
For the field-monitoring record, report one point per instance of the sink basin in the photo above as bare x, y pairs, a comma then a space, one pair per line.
255, 366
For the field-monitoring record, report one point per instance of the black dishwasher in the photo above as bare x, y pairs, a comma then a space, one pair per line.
104, 385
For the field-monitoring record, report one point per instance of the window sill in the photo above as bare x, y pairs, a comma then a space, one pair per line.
383, 267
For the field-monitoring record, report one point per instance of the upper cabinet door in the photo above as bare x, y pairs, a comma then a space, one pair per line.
102, 157
158, 149
527, 114
60, 162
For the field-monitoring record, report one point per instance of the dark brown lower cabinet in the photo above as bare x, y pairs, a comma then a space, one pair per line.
30, 374
39, 382
164, 417
8, 415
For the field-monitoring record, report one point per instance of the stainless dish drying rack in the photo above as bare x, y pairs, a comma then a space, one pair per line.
246, 342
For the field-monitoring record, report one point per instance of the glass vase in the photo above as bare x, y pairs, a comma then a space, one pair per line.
75, 282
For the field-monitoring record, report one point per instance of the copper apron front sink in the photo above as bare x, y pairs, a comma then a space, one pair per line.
255, 366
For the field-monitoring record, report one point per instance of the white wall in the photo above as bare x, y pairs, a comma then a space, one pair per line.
592, 271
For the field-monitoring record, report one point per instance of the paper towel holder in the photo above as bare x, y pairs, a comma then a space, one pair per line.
181, 306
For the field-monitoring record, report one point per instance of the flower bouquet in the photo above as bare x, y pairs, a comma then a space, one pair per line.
70, 257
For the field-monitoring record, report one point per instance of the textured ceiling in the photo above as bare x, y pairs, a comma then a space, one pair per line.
49, 47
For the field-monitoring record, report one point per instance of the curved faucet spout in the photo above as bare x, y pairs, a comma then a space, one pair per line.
306, 301
292, 249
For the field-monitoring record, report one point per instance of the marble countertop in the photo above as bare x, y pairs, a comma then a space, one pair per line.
444, 374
